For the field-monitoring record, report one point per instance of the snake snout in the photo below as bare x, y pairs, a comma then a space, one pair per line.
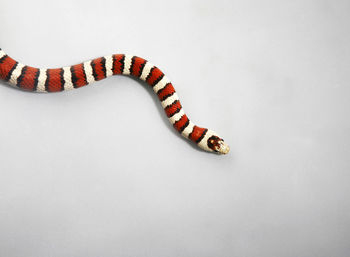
223, 148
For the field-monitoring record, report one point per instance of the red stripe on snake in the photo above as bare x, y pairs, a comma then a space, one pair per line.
154, 77
29, 78
118, 63
78, 75
54, 82
137, 67
175, 107
197, 133
99, 69
168, 90
6, 66
181, 123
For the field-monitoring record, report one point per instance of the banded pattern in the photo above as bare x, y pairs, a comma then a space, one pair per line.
79, 75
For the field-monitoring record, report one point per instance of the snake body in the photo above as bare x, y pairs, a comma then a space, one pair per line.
60, 79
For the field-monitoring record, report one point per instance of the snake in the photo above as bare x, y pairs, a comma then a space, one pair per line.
42, 80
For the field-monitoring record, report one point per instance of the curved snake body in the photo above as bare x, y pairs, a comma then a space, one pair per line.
75, 76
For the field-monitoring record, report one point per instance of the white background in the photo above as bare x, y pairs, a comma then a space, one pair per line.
99, 171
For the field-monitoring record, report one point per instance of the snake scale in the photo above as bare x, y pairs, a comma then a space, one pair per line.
60, 79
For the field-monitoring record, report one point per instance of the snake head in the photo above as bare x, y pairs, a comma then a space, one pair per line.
218, 145
213, 143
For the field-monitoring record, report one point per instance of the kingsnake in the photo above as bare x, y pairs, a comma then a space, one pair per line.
66, 78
